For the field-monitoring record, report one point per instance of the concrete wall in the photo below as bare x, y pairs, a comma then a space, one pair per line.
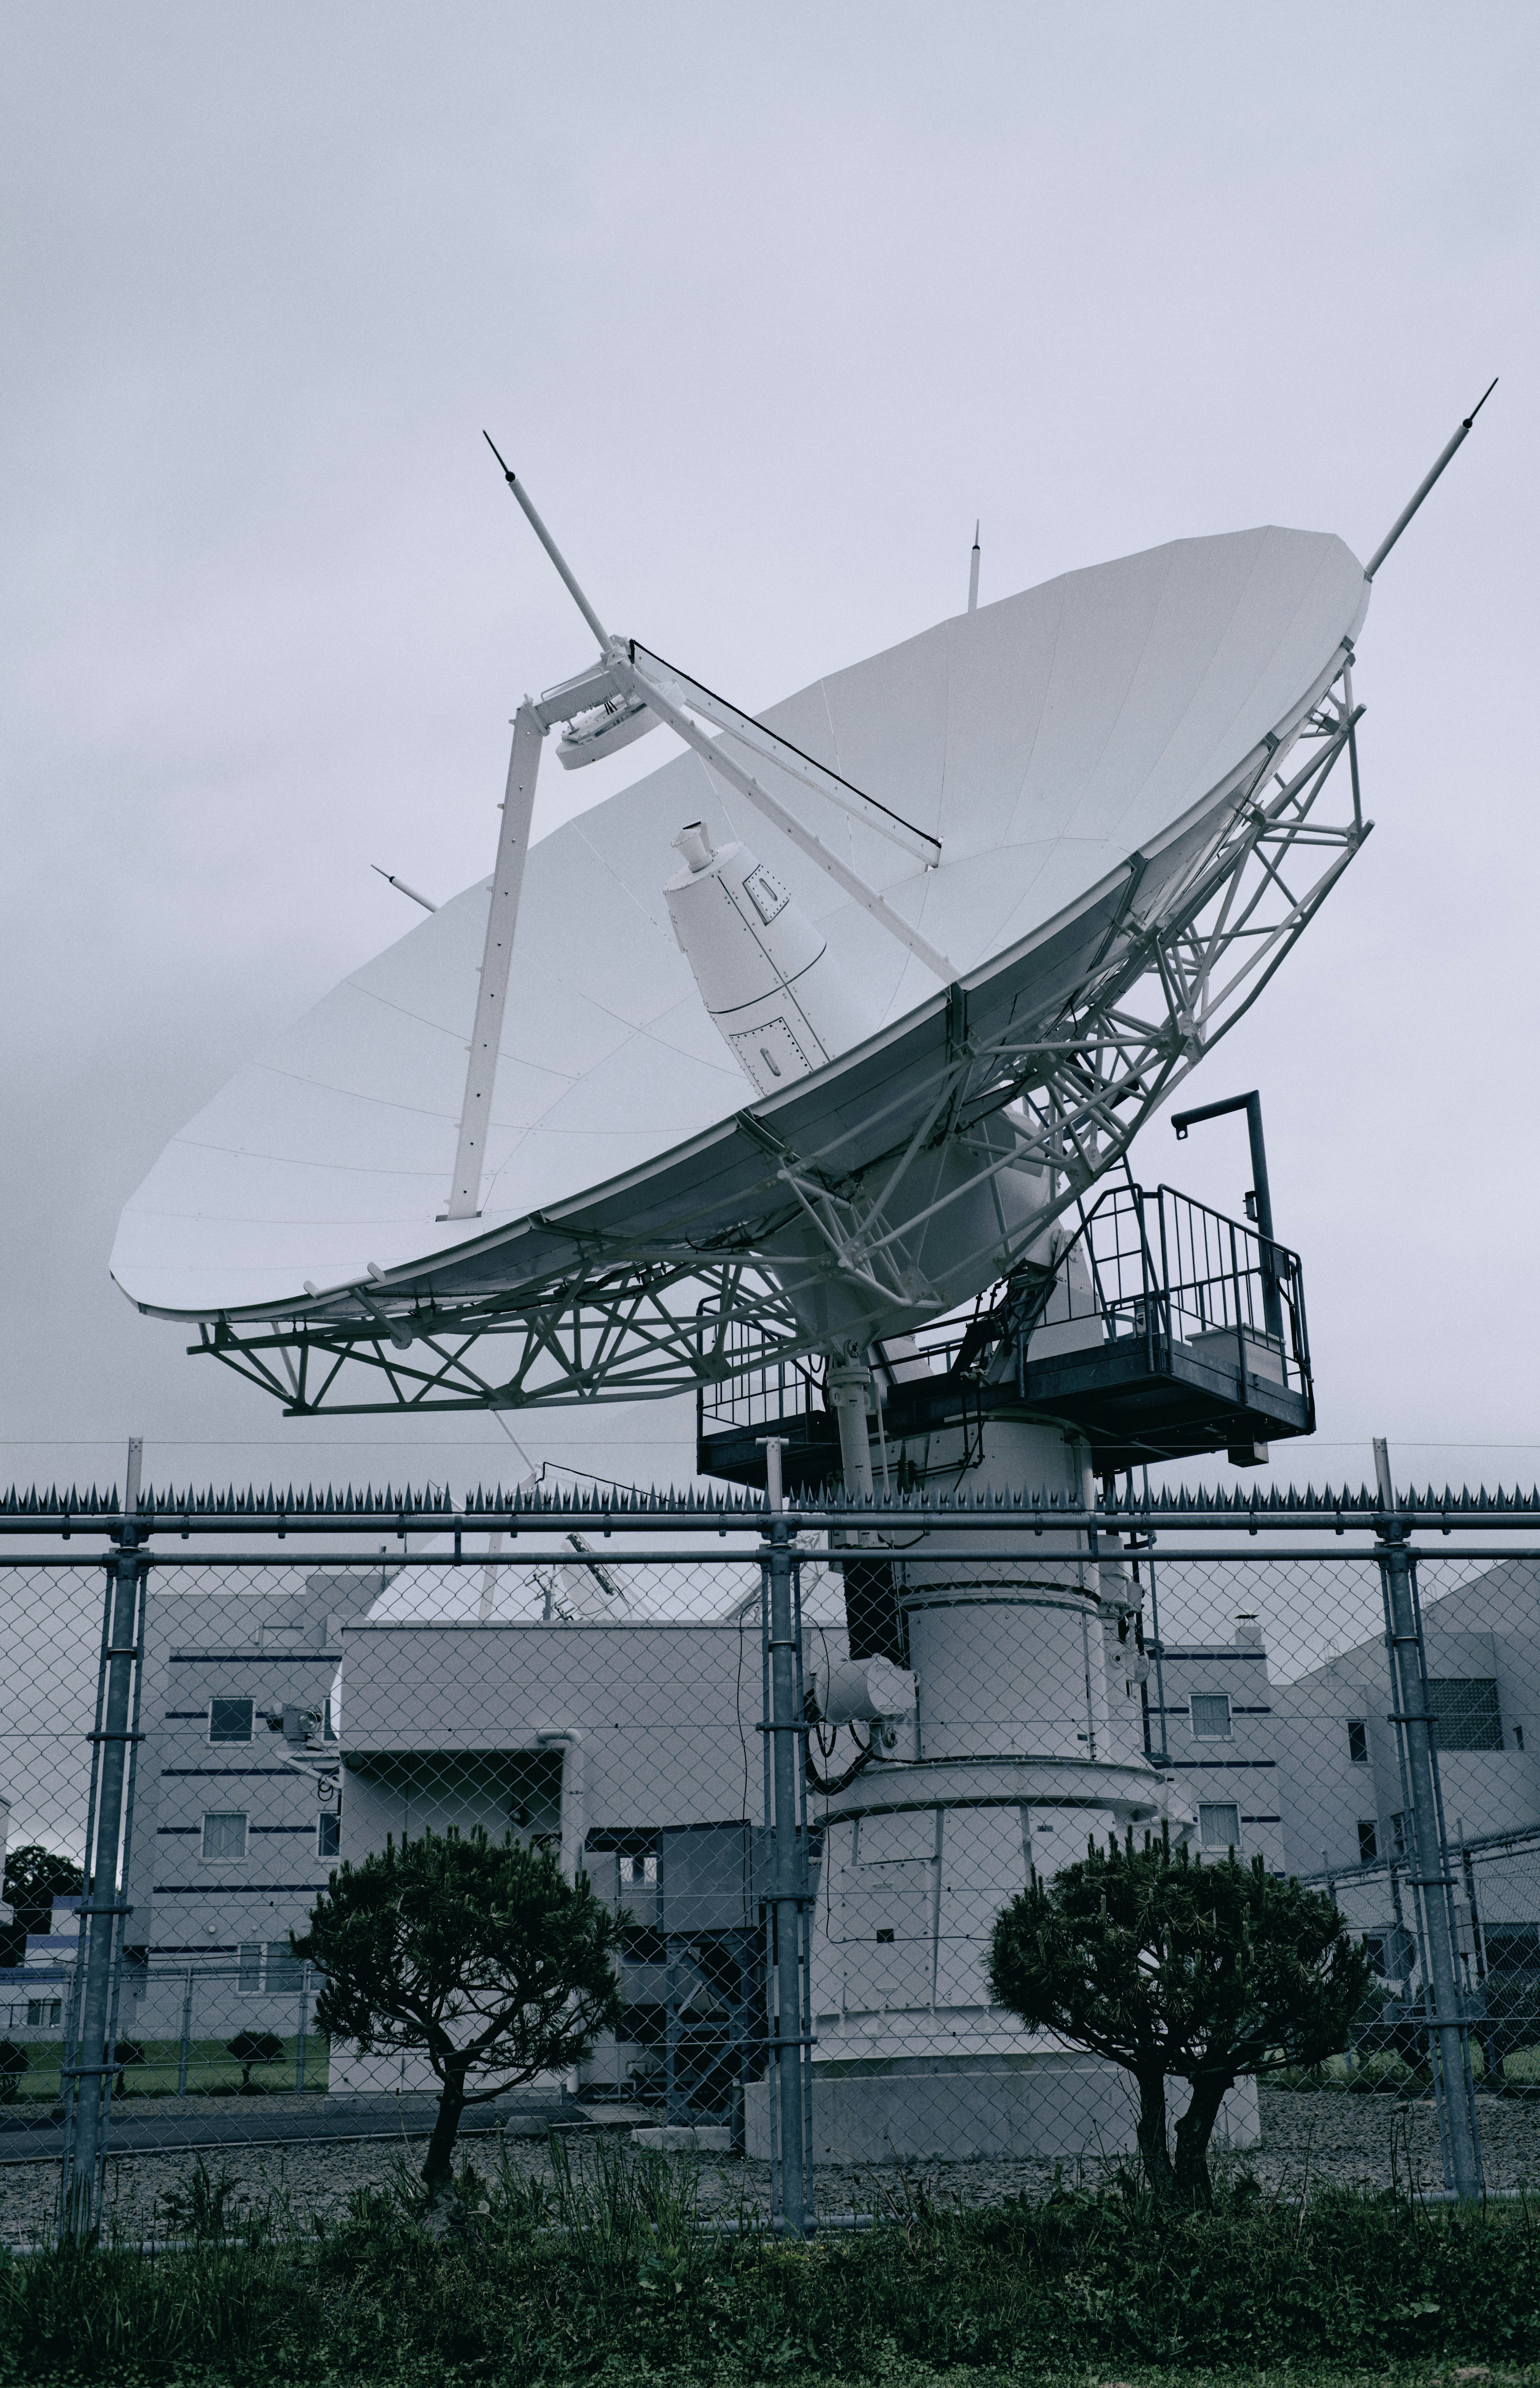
431, 1715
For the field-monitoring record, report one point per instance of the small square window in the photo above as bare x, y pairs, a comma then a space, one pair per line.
223, 1833
639, 1870
1368, 1840
230, 1719
329, 1834
1210, 1715
43, 2011
1219, 1825
1358, 1741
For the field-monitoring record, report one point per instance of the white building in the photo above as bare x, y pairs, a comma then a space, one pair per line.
237, 1822
1219, 1709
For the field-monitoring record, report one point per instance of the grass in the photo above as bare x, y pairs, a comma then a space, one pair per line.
607, 2274
211, 2071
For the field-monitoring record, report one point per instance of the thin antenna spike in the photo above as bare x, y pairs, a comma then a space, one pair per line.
1404, 517
552, 551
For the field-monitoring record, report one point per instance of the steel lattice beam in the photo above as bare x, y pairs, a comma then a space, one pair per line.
637, 1320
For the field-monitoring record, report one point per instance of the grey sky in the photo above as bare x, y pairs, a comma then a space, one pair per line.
766, 305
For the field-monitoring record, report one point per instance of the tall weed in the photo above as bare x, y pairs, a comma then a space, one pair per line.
608, 2268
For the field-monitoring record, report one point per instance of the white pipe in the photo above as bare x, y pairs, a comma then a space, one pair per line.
574, 1803
513, 844
399, 885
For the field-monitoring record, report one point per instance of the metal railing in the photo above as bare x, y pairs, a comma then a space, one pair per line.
1151, 1265
1161, 1267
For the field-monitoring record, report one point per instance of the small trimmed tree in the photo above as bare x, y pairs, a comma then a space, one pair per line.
125, 2052
35, 1878
479, 1954
1172, 1967
250, 2048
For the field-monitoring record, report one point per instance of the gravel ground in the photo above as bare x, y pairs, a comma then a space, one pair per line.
1361, 2142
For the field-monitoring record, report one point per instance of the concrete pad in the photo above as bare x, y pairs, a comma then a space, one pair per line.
685, 2138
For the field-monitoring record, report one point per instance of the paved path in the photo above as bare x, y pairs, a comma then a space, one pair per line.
181, 2125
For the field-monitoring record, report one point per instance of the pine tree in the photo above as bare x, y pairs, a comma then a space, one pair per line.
479, 1955
1171, 1967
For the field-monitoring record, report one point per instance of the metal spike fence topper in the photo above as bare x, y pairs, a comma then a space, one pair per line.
430, 1508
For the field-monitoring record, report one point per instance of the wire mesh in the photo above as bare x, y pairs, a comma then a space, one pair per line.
973, 1707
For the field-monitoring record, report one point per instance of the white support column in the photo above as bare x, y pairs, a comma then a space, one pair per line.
574, 1840
849, 1380
513, 845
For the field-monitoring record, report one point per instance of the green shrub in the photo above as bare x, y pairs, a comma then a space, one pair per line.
1382, 2071
605, 2272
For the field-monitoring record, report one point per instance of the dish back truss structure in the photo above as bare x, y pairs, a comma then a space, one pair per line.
648, 1288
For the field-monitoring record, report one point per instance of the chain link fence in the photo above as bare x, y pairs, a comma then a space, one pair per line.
807, 1760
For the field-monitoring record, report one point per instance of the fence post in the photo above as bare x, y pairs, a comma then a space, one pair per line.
1448, 2028
785, 1728
303, 2026
184, 2051
89, 2075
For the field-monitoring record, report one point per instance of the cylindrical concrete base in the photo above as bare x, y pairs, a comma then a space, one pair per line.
1051, 2107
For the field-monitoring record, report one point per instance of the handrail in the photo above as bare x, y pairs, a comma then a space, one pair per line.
1192, 1272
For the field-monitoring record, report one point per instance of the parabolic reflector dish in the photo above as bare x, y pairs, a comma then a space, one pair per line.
1085, 751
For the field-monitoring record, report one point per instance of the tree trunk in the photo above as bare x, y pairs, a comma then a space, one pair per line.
1193, 2133
1151, 2132
438, 2162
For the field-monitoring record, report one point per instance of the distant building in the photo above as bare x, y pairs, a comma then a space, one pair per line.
1211, 1724
631, 1748
237, 1822
1338, 1738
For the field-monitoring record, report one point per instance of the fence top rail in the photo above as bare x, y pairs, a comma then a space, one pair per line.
433, 1510
1169, 1553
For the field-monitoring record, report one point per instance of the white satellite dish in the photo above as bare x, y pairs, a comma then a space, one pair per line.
1052, 847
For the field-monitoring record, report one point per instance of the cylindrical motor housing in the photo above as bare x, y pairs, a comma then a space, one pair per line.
764, 969
862, 1690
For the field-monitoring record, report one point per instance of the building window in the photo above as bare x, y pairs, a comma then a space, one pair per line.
223, 1833
1210, 1715
1368, 1840
1512, 1949
43, 2011
1219, 1823
268, 1968
1464, 1710
639, 1871
329, 1834
230, 1719
1390, 1953
1358, 1741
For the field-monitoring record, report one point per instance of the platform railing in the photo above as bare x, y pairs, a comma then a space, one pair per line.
1158, 1267
1162, 1266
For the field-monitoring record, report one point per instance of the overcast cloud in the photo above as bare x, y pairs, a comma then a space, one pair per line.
766, 305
